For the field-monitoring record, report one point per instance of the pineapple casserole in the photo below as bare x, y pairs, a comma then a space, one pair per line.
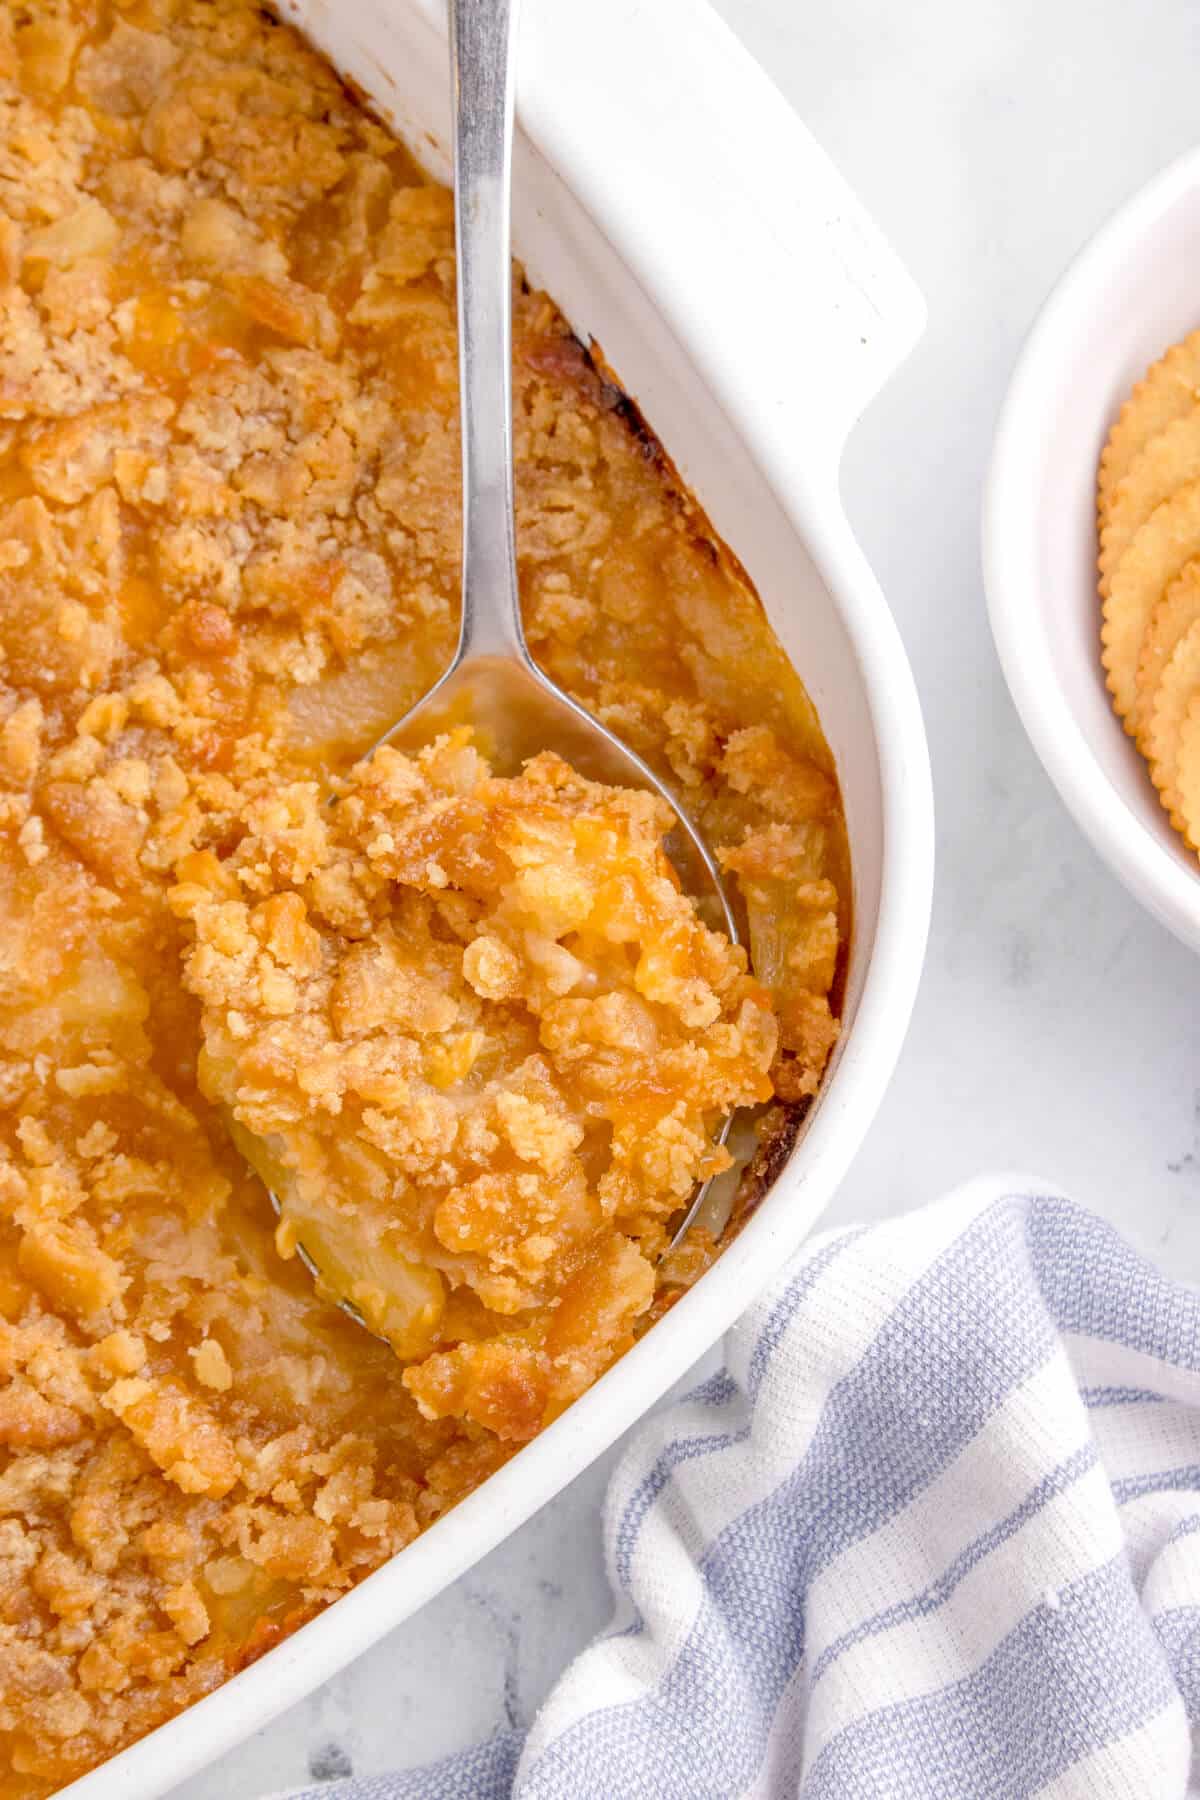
482, 1036
465, 1026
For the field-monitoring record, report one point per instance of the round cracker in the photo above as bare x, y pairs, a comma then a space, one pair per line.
1169, 461
1187, 775
1169, 539
1170, 389
1178, 685
1178, 608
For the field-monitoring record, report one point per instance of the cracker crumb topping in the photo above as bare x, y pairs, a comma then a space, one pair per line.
480, 1045
229, 559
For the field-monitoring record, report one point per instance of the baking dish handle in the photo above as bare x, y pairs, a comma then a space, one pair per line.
661, 99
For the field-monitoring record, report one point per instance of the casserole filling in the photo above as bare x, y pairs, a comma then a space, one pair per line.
479, 1043
229, 539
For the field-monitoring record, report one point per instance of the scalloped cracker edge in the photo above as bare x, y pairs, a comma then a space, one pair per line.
1187, 819
1178, 609
1179, 685
1168, 540
1168, 462
1170, 389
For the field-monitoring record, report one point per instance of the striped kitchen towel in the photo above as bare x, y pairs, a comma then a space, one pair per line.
933, 1531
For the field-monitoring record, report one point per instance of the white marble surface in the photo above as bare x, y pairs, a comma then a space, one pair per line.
1058, 1028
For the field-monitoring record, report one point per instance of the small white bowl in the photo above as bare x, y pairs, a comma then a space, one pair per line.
1133, 292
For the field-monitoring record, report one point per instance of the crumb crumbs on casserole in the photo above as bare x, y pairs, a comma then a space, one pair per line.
480, 1043
229, 559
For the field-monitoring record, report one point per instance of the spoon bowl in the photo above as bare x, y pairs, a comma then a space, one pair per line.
515, 712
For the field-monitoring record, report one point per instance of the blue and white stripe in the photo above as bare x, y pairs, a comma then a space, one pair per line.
934, 1531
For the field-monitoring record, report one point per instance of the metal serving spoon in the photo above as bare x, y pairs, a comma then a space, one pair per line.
493, 683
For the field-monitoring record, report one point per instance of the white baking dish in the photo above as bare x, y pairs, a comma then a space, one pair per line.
685, 220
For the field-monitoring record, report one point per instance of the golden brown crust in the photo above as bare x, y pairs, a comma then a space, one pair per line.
776, 1134
228, 558
482, 1048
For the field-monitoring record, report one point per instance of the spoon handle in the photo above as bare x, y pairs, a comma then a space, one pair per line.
482, 38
